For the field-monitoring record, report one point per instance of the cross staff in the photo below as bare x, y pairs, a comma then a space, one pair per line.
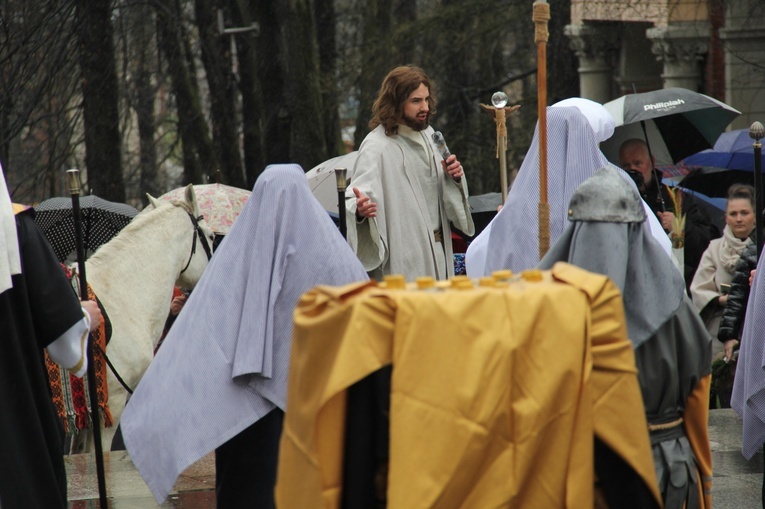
499, 111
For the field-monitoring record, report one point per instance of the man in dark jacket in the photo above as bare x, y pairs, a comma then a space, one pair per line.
634, 158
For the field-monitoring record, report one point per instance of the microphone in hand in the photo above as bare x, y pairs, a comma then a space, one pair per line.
440, 143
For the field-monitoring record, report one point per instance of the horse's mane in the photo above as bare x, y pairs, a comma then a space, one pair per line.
126, 235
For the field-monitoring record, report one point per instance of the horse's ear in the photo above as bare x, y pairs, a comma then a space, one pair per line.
191, 198
153, 201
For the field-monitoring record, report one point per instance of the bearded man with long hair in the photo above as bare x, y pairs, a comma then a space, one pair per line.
404, 195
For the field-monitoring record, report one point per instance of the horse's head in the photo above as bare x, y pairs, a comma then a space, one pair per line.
202, 235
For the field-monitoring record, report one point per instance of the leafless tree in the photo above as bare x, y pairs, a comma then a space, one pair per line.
100, 98
38, 109
223, 90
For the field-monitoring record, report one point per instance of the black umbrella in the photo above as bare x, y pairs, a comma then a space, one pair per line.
680, 122
714, 182
483, 208
101, 221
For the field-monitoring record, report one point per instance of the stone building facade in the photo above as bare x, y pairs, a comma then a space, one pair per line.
716, 47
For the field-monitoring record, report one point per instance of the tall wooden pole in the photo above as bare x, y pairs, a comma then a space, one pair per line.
502, 150
541, 16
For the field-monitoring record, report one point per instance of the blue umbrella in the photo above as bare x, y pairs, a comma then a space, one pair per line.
732, 151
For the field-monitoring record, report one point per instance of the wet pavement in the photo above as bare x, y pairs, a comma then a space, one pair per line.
195, 488
737, 483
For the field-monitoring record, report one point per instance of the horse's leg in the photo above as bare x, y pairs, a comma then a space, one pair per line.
117, 400
82, 443
107, 435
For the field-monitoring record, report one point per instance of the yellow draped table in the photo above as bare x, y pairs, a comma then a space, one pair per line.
497, 392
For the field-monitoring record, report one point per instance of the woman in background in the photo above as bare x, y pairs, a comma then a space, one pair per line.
711, 284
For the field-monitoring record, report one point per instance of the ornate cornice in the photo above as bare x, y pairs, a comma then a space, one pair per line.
679, 44
593, 42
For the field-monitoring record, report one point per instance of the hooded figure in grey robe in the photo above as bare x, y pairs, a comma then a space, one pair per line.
609, 235
224, 364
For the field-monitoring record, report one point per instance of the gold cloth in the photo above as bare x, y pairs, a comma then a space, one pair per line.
496, 393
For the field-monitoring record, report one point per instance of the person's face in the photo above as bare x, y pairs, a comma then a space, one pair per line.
416, 112
740, 217
635, 158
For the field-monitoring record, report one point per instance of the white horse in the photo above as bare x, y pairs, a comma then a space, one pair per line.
133, 276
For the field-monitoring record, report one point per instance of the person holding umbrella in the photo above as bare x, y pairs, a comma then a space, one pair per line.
634, 158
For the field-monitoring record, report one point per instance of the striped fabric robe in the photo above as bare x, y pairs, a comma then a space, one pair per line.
572, 157
224, 363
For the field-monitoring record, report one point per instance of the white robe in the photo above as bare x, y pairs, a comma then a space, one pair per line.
400, 239
511, 240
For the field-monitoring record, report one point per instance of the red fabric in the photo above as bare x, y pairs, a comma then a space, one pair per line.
458, 244
78, 400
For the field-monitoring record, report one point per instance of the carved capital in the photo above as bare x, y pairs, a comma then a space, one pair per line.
599, 43
679, 44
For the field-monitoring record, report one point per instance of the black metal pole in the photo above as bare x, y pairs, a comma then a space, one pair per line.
757, 132
342, 184
73, 177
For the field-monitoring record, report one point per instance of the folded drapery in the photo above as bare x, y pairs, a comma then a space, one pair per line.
497, 393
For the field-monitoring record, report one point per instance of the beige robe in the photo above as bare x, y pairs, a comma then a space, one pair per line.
716, 268
400, 240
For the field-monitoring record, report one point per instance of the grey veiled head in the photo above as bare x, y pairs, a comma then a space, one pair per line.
606, 197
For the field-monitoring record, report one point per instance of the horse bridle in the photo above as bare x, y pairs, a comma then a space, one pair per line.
198, 234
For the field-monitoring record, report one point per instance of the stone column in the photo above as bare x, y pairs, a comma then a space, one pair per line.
744, 39
596, 48
681, 48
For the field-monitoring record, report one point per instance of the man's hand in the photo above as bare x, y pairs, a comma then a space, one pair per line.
751, 277
94, 311
452, 167
364, 206
722, 300
666, 219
